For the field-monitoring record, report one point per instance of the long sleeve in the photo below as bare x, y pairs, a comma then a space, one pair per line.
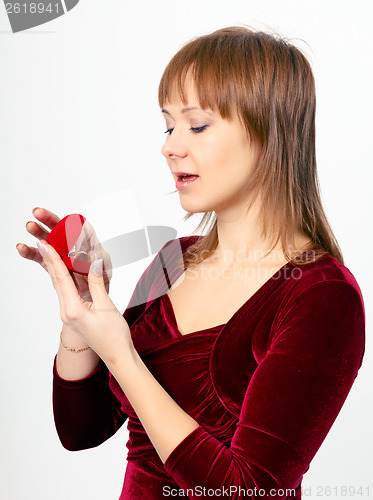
313, 356
86, 413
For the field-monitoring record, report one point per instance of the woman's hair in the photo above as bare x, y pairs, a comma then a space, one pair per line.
270, 84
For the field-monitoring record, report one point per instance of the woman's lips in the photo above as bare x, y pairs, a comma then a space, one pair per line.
182, 184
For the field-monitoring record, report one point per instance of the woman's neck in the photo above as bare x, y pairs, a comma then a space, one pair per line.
240, 241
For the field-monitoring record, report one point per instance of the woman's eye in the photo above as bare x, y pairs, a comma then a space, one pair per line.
198, 130
195, 130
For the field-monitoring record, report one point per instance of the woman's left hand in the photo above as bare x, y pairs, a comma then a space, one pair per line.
99, 322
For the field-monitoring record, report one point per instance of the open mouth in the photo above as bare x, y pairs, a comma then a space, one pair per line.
183, 181
187, 177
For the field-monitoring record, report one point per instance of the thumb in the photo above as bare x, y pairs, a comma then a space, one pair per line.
96, 284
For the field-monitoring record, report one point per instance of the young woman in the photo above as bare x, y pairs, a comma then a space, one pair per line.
232, 363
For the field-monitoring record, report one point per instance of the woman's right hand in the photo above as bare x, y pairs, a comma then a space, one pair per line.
92, 247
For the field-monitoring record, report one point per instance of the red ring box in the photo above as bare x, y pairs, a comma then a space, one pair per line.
63, 238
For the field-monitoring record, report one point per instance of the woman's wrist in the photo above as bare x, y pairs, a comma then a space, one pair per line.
70, 338
73, 365
127, 360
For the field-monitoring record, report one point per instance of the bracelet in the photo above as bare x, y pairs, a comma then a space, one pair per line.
72, 349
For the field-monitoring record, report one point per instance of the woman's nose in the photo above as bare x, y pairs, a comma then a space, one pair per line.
174, 146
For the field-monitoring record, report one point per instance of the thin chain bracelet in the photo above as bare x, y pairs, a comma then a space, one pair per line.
72, 349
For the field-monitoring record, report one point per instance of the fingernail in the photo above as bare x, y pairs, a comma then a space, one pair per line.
96, 266
18, 244
42, 248
33, 210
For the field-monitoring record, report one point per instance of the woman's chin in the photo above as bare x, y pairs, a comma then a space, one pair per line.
192, 206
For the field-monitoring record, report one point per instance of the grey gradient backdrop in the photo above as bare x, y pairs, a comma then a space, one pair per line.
80, 130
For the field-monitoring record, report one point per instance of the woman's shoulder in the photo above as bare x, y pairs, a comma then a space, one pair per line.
325, 273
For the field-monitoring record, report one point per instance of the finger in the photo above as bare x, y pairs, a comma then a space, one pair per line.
81, 283
36, 230
99, 253
45, 217
97, 287
49, 267
108, 266
93, 255
61, 279
29, 253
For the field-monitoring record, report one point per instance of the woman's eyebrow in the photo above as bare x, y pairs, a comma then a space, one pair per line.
185, 110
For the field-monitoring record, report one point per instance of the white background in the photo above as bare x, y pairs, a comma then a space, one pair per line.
79, 121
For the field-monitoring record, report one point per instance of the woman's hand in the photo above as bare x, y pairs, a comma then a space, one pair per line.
98, 322
88, 242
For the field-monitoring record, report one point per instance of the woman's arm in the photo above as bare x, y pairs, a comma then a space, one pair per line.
86, 412
290, 405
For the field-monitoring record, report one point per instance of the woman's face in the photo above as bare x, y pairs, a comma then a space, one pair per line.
201, 142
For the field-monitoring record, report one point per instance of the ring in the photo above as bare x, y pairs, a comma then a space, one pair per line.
81, 251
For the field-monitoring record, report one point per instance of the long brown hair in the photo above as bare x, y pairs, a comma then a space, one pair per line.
270, 84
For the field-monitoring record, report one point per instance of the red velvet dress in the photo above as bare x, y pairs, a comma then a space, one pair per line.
265, 387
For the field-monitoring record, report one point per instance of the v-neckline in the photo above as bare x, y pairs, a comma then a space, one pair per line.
251, 300
170, 308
